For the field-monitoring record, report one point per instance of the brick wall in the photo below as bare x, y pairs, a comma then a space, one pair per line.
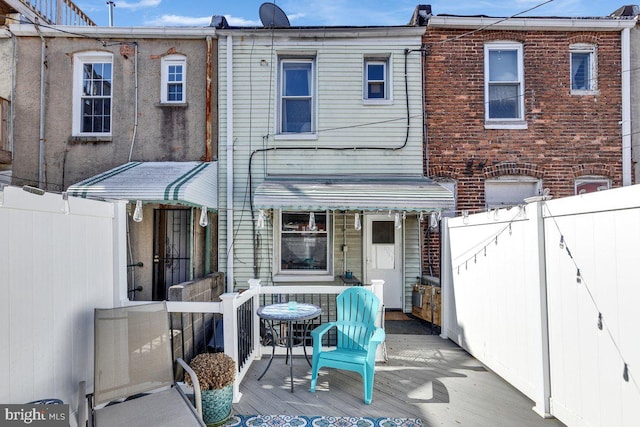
567, 136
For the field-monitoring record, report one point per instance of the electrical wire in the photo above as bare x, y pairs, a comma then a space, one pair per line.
601, 321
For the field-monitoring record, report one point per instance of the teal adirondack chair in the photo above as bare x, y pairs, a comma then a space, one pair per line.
358, 338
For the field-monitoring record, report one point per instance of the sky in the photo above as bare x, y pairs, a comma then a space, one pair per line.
145, 13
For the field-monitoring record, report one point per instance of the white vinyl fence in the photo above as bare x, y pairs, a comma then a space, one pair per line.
546, 296
58, 260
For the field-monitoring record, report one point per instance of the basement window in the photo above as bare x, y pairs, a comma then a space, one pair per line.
591, 184
510, 190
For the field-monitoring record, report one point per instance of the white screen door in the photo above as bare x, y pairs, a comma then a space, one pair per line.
384, 258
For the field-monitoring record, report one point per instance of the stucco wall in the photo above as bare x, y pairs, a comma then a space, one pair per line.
163, 133
5, 67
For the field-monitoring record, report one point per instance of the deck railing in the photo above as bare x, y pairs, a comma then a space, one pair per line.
58, 12
241, 326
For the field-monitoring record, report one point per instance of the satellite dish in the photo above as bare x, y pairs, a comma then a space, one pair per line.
272, 16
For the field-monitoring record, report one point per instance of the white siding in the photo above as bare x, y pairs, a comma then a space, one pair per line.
343, 120
412, 260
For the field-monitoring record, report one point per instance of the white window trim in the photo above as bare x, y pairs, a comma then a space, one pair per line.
589, 179
388, 83
78, 65
517, 123
301, 275
592, 50
164, 76
312, 134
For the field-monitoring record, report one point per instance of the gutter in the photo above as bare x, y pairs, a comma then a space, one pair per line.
530, 24
70, 31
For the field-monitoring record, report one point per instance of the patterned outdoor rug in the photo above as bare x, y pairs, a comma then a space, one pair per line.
302, 421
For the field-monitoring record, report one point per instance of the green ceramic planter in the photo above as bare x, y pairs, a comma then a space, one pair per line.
216, 405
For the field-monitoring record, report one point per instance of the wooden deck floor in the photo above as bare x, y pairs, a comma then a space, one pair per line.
425, 377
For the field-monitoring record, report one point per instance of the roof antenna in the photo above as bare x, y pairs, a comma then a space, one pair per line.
111, 5
272, 16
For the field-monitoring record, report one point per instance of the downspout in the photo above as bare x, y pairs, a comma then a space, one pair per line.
135, 99
208, 141
12, 108
208, 116
425, 130
626, 106
43, 57
230, 255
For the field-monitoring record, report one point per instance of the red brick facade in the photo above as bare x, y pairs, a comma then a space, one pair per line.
567, 136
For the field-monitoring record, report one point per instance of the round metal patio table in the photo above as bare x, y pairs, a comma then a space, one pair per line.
288, 313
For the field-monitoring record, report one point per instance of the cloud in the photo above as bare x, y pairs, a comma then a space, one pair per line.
234, 21
137, 5
196, 21
342, 12
178, 20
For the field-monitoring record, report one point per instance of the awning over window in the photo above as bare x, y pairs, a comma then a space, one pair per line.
353, 193
192, 183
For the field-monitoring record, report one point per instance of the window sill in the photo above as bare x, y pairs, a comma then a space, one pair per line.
377, 102
296, 136
76, 139
171, 104
303, 278
496, 124
585, 92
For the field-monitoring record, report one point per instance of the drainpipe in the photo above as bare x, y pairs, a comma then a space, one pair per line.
135, 98
208, 117
12, 107
626, 106
230, 254
43, 57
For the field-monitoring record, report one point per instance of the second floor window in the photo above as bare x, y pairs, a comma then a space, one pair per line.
296, 96
376, 86
93, 92
174, 78
504, 82
583, 69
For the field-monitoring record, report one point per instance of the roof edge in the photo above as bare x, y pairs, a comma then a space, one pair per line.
532, 23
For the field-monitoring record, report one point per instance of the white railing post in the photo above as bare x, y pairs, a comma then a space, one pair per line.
378, 290
254, 285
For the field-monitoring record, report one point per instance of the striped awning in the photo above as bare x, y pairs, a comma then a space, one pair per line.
192, 183
406, 193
